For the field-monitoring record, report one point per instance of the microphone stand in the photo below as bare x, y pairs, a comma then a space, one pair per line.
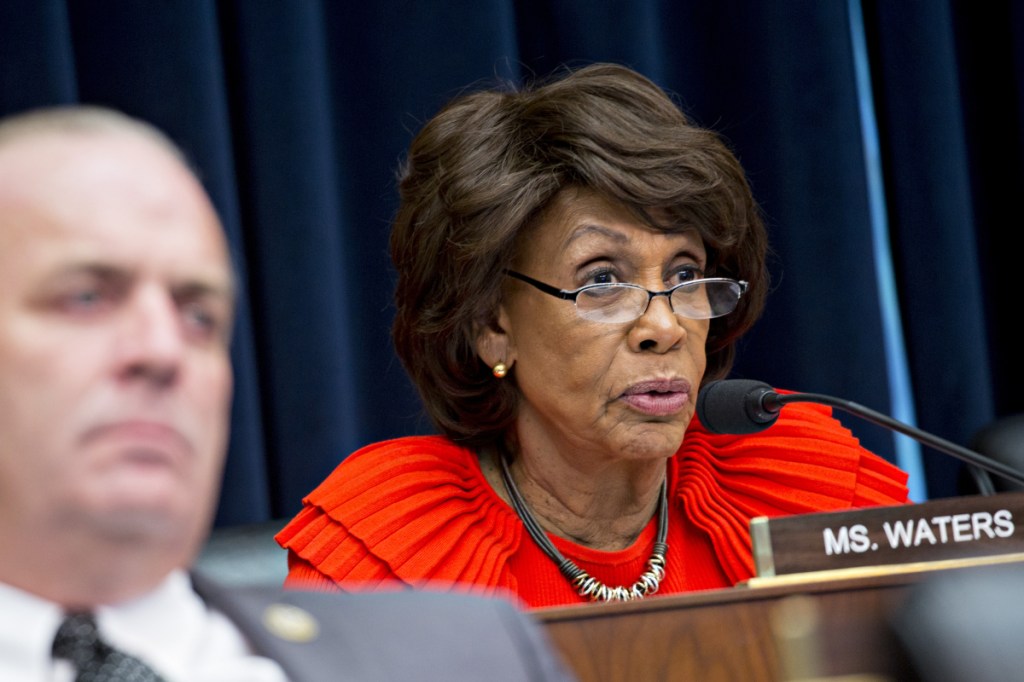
773, 402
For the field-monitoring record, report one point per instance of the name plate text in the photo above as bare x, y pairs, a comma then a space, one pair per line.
936, 530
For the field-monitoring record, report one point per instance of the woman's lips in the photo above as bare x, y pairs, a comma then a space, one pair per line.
659, 398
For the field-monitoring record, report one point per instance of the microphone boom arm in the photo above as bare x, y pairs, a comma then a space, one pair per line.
773, 402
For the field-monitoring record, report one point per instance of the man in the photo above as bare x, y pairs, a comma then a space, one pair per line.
116, 303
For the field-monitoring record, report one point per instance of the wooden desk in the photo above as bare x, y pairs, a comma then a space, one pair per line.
743, 634
728, 635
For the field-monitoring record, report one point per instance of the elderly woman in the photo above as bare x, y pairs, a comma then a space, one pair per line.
574, 261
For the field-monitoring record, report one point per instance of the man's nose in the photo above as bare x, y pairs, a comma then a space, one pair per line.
152, 342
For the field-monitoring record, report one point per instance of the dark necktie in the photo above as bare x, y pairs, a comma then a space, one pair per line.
78, 641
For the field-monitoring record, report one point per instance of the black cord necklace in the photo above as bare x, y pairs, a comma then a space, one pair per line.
586, 585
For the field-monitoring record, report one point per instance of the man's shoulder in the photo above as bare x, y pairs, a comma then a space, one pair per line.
390, 635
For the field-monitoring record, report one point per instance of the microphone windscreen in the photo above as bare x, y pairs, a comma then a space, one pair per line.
733, 406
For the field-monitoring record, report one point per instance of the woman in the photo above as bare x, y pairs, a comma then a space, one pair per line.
574, 261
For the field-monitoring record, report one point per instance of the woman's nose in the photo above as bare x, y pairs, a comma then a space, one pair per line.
659, 328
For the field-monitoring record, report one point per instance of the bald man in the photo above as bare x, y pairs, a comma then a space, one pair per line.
116, 308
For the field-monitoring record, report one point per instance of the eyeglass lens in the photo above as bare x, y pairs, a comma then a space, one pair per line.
623, 303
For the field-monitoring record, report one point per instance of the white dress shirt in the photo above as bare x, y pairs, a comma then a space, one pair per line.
171, 629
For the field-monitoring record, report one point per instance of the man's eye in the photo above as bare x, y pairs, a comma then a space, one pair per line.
201, 321
198, 318
82, 300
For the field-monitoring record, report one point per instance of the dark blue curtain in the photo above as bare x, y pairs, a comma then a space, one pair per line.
883, 140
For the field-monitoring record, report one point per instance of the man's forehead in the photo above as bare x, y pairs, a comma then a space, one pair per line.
82, 122
110, 197
49, 156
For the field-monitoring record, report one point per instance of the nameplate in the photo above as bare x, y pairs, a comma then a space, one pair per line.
937, 530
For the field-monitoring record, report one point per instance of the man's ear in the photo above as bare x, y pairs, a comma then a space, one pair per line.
494, 342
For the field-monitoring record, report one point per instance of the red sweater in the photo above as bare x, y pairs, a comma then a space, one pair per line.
418, 510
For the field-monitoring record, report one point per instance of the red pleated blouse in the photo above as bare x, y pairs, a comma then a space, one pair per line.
418, 512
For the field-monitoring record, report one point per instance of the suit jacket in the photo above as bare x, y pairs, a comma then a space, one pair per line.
401, 636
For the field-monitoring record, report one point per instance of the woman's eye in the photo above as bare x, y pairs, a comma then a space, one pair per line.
686, 273
601, 277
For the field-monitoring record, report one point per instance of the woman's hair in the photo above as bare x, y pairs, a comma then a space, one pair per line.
489, 162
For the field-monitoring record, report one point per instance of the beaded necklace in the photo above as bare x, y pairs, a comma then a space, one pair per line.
586, 585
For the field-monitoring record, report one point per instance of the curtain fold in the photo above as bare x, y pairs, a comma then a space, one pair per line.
931, 216
296, 117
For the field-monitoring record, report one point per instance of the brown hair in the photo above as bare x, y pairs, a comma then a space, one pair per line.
489, 162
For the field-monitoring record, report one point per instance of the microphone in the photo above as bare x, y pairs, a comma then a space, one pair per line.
737, 406
742, 406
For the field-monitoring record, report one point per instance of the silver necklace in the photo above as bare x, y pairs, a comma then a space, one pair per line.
585, 584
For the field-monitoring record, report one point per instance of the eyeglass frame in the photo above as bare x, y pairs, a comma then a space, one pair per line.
573, 294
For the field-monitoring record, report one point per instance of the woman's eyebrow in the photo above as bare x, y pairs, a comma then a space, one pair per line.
595, 228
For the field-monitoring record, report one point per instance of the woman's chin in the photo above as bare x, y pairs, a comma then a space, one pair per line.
652, 441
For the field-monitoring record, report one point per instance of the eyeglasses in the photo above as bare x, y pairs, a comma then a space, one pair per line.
699, 299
